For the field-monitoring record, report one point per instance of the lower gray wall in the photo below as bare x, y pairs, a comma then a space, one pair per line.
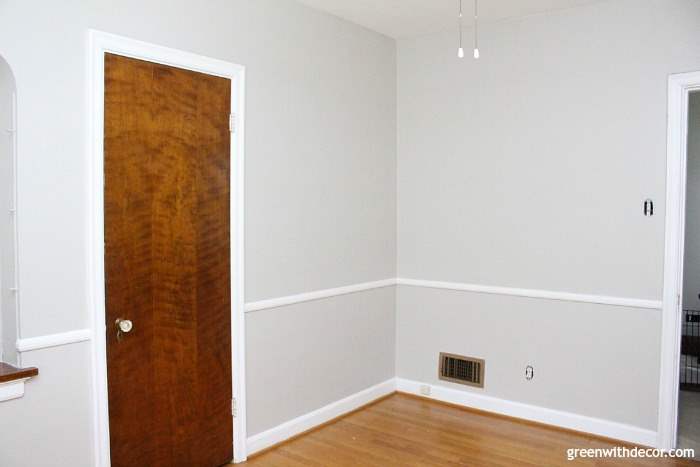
595, 360
52, 424
299, 358
304, 356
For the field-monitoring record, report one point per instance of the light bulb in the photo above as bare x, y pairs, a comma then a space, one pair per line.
476, 53
460, 52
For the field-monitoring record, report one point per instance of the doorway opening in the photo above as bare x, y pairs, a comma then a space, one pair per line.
680, 325
689, 362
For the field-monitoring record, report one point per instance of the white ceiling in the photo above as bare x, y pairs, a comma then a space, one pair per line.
406, 18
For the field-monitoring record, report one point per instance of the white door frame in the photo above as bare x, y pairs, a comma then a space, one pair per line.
98, 44
679, 88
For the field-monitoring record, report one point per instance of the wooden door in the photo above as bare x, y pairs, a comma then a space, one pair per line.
167, 264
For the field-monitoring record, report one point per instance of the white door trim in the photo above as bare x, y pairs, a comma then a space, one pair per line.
679, 88
98, 44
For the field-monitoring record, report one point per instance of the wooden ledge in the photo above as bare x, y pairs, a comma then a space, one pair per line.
10, 373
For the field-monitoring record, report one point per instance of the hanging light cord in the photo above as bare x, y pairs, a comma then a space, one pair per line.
460, 50
476, 28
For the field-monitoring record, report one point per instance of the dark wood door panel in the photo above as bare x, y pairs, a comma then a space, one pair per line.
167, 264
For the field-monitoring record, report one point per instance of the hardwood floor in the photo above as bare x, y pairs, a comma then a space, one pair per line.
403, 430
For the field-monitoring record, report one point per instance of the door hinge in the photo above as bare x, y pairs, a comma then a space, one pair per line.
232, 123
234, 409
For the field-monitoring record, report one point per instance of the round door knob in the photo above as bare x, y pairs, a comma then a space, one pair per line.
125, 325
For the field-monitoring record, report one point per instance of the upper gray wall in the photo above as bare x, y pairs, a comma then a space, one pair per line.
320, 141
528, 167
691, 268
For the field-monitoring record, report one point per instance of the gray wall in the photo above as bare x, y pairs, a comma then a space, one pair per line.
528, 168
309, 355
691, 267
320, 198
595, 360
525, 169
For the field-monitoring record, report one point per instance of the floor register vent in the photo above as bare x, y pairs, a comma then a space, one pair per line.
462, 370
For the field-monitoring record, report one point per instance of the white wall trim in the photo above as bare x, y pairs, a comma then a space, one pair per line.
534, 413
316, 295
80, 335
317, 417
457, 286
99, 43
15, 219
53, 340
679, 88
12, 389
533, 293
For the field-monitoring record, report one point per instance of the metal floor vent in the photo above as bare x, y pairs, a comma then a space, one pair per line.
462, 370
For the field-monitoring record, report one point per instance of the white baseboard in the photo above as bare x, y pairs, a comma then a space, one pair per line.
596, 426
317, 417
534, 413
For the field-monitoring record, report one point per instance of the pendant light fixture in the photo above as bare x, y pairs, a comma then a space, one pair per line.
476, 28
460, 50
